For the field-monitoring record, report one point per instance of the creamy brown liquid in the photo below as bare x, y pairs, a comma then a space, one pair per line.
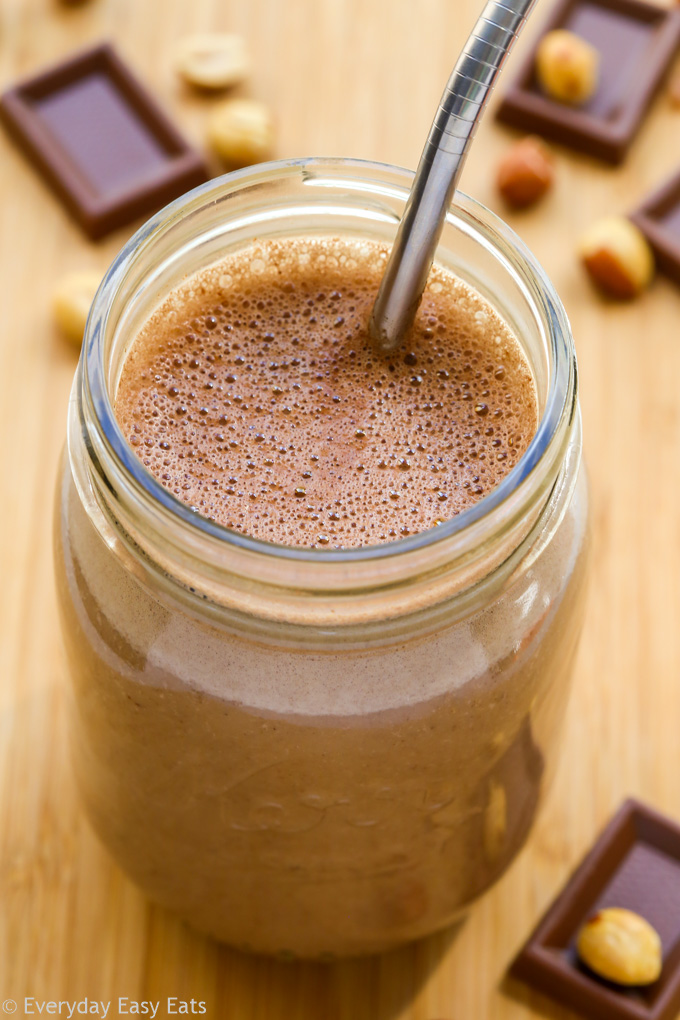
285, 786
254, 395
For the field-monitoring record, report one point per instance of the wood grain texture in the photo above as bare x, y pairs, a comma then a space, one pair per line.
359, 78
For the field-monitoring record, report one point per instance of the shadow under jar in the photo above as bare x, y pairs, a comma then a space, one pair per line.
307, 751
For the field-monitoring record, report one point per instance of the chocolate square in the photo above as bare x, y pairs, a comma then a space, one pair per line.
636, 42
100, 140
659, 220
635, 864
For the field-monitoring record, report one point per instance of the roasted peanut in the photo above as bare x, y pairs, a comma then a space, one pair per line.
617, 256
241, 131
71, 302
526, 172
213, 60
620, 946
567, 67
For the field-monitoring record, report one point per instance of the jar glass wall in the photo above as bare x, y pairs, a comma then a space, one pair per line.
317, 751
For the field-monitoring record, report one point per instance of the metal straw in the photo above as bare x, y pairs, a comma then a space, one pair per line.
440, 166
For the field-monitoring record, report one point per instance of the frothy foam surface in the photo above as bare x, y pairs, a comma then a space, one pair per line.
253, 395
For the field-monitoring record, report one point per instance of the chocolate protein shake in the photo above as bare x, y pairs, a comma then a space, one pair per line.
292, 773
254, 395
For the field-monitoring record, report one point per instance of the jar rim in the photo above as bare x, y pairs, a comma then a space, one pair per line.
96, 406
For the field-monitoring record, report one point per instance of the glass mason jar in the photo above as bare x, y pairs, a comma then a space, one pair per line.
307, 751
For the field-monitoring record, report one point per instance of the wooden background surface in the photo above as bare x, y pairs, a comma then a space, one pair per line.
359, 78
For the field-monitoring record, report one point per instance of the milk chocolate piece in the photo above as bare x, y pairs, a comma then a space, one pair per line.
636, 42
659, 220
635, 863
100, 140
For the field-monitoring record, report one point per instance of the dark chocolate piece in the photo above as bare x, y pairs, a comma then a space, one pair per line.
636, 42
100, 140
659, 220
635, 864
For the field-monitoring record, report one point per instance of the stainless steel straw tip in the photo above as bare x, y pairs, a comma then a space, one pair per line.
441, 162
